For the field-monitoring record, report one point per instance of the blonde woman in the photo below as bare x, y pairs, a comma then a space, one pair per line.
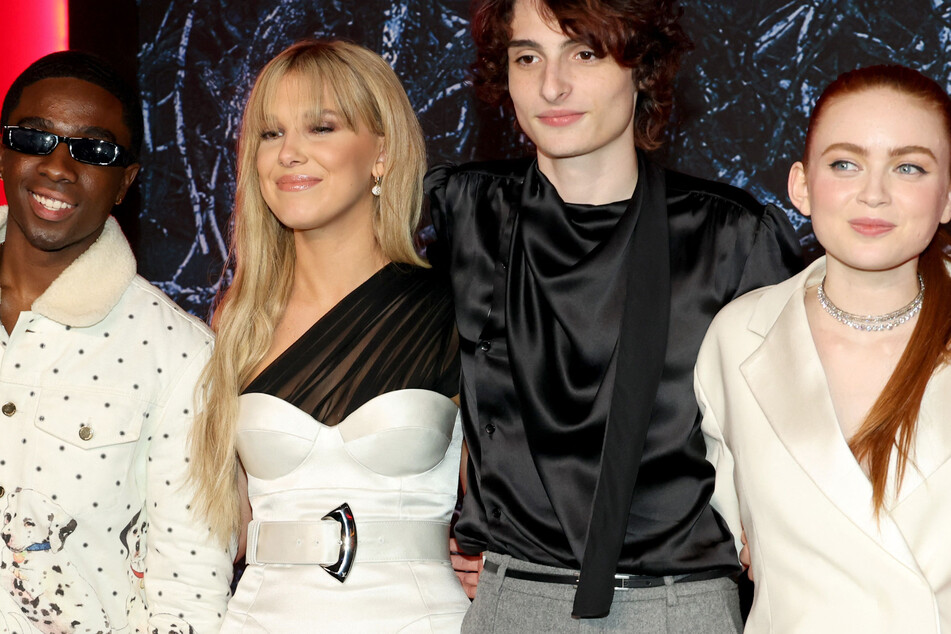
335, 362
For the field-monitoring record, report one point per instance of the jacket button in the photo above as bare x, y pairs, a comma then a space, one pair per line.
2, 492
85, 432
485, 345
8, 409
496, 512
490, 429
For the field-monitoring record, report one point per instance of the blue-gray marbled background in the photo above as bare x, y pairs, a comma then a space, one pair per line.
743, 96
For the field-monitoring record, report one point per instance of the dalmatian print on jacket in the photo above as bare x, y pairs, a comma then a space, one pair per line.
37, 572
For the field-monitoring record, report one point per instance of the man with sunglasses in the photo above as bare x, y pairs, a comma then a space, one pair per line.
97, 374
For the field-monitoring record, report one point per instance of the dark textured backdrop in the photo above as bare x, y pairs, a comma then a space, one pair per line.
744, 95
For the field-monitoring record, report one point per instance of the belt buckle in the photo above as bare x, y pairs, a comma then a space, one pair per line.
348, 542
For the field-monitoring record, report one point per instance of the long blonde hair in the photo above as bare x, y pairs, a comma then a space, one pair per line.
367, 93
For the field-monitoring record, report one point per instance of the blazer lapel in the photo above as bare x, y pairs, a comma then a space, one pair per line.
799, 409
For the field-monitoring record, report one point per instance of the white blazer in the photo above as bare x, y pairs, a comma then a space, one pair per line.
822, 561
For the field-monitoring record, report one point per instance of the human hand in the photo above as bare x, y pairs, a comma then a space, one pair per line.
745, 556
467, 567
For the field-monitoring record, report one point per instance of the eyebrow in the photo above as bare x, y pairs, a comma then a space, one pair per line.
533, 44
313, 118
898, 151
91, 131
34, 122
95, 131
912, 149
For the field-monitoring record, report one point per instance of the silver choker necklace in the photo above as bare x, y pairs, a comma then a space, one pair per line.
873, 323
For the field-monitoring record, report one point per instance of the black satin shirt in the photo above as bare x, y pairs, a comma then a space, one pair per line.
532, 295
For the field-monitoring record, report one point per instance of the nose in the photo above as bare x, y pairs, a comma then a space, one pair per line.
874, 192
290, 153
555, 82
58, 165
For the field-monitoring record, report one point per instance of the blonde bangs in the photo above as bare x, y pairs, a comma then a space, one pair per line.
327, 82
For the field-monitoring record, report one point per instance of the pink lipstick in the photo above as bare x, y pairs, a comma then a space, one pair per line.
871, 227
296, 182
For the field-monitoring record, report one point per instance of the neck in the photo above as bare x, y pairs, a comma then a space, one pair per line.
871, 292
593, 179
327, 268
25, 271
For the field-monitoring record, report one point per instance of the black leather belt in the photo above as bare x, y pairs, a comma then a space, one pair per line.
620, 580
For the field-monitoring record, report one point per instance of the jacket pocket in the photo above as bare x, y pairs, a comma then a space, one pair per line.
90, 420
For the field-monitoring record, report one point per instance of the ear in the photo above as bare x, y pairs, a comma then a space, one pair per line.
798, 188
946, 213
379, 168
128, 175
65, 531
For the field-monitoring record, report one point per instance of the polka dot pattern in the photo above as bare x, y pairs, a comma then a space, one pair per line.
100, 417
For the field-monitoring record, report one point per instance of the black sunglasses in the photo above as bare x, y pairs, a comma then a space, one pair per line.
90, 151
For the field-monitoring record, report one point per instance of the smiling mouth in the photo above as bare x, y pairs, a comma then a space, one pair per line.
297, 183
871, 227
51, 204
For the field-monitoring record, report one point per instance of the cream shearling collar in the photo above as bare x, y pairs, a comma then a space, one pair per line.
92, 285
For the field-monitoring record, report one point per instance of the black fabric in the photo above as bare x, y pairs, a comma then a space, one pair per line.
642, 344
720, 243
563, 304
395, 331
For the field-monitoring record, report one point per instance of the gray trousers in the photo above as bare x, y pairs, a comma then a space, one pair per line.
504, 604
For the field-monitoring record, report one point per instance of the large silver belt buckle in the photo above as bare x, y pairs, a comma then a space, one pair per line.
348, 542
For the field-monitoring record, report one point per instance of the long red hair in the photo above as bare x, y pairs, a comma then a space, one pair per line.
893, 419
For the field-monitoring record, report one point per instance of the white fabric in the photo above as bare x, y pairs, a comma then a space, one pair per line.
320, 542
366, 461
99, 378
823, 562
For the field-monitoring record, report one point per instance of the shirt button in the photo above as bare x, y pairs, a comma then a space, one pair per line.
8, 409
490, 429
485, 345
496, 512
85, 432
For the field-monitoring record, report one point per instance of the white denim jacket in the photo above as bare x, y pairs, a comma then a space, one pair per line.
96, 400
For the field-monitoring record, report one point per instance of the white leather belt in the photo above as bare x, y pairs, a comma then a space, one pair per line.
319, 542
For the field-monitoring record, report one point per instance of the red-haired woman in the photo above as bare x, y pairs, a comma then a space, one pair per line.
826, 398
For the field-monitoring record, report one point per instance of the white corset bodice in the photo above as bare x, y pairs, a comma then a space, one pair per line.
394, 458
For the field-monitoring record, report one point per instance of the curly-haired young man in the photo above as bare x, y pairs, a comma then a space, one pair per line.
584, 281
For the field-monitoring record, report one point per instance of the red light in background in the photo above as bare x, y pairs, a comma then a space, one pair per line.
31, 29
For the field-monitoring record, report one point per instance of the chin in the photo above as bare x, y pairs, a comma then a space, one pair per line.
876, 264
563, 150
